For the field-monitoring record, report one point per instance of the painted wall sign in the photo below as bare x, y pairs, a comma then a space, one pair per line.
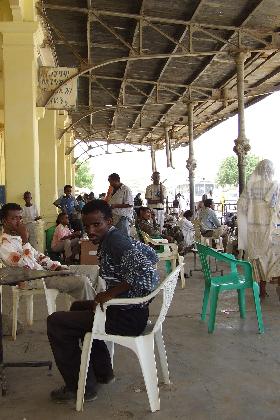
49, 79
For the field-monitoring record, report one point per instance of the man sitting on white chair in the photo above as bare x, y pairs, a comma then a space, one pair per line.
210, 225
16, 251
128, 268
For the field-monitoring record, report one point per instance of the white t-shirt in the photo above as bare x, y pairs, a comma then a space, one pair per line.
153, 193
29, 214
122, 196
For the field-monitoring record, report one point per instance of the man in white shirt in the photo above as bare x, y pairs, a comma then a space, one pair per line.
16, 251
121, 202
156, 196
29, 211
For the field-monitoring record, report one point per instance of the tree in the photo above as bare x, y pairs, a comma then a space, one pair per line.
83, 177
228, 171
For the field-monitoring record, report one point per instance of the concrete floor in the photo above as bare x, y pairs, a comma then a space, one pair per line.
229, 375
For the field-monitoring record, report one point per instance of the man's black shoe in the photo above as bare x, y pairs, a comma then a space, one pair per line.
63, 394
106, 379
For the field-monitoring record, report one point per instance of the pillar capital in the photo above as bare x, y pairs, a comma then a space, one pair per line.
62, 120
241, 56
242, 146
40, 112
191, 164
18, 27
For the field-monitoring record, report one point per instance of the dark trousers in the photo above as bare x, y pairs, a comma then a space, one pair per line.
66, 329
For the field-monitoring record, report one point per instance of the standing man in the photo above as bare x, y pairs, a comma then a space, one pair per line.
156, 196
121, 202
68, 204
128, 268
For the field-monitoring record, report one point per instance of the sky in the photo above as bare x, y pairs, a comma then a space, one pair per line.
262, 130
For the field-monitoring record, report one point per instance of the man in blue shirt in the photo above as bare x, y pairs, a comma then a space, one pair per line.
128, 268
68, 204
210, 225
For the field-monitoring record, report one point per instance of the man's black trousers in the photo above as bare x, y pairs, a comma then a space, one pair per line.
66, 329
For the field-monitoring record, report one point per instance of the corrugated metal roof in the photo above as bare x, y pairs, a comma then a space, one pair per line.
153, 57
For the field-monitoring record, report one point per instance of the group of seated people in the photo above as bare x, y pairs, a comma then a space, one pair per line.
128, 268
181, 232
181, 229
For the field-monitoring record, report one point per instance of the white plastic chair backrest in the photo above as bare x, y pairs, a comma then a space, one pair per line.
171, 249
168, 248
168, 288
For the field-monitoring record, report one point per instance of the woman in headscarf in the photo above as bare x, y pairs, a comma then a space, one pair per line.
257, 216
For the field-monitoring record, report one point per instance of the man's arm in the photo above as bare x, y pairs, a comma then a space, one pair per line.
127, 201
155, 201
148, 197
103, 297
57, 203
37, 216
150, 229
215, 219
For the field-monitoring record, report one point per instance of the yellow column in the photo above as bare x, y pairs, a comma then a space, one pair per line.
48, 167
61, 167
73, 166
21, 125
61, 162
73, 176
68, 159
2, 156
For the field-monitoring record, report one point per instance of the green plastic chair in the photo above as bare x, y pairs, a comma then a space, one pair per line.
158, 248
55, 256
232, 281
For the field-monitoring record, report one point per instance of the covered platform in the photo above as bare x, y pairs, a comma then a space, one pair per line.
153, 74
145, 73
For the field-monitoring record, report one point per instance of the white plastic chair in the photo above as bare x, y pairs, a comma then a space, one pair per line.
90, 271
27, 294
170, 253
142, 345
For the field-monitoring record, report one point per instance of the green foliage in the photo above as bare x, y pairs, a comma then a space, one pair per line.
83, 177
228, 171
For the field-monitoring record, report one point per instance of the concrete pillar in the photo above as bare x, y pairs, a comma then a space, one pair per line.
73, 177
2, 156
68, 159
167, 147
242, 145
153, 157
62, 121
48, 167
191, 162
21, 125
61, 165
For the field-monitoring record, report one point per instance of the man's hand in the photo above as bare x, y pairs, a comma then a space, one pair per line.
61, 268
102, 297
22, 231
77, 234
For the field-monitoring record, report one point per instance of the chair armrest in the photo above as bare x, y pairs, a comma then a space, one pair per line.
158, 241
130, 301
246, 265
100, 316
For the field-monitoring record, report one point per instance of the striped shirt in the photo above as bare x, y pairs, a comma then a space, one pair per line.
124, 259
